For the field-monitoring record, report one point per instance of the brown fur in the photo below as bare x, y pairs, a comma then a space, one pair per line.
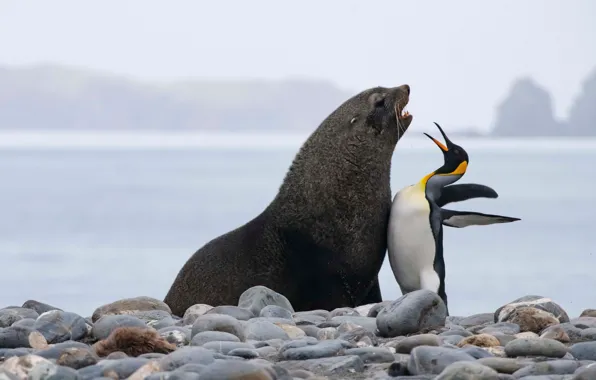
322, 240
133, 341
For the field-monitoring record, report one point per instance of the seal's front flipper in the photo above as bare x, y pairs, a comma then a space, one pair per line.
464, 191
460, 219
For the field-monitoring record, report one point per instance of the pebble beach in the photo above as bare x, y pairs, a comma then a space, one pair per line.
263, 337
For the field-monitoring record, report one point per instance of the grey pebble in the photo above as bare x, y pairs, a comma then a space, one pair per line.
367, 323
10, 315
551, 367
39, 307
310, 330
59, 326
375, 310
274, 311
233, 311
372, 354
477, 320
264, 330
411, 313
498, 328
405, 346
326, 366
320, 350
584, 351
341, 311
535, 347
589, 333
218, 322
467, 370
257, 297
224, 347
108, 323
246, 353
504, 365
184, 355
426, 360
232, 369
211, 336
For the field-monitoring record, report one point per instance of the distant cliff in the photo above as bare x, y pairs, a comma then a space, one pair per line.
53, 97
528, 111
56, 97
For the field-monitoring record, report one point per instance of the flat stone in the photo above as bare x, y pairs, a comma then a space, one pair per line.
59, 326
293, 332
426, 360
500, 327
504, 365
326, 366
225, 346
185, 355
233, 311
406, 345
367, 323
584, 322
535, 347
589, 334
130, 306
372, 354
322, 349
551, 367
8, 316
212, 336
39, 307
236, 370
467, 371
477, 320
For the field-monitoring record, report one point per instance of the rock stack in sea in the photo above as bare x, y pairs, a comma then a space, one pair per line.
264, 338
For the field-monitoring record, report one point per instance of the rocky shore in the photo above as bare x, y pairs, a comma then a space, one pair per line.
263, 338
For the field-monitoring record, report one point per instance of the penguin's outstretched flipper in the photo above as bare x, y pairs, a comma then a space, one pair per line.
461, 219
464, 191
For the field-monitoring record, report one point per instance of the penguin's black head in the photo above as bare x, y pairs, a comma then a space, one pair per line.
456, 158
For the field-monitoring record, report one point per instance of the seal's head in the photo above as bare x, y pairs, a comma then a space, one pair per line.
378, 111
348, 157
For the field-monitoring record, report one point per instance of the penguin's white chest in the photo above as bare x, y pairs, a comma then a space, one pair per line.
410, 242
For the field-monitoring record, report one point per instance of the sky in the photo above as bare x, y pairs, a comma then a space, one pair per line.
460, 57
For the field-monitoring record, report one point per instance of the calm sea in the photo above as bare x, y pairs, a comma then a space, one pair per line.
89, 219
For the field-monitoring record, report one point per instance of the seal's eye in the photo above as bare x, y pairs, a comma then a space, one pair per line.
354, 119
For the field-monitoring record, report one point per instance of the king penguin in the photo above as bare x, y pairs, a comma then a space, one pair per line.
415, 230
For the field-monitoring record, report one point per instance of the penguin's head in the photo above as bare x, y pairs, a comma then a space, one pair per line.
455, 162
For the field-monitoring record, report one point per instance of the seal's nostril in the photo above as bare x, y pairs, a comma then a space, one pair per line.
406, 88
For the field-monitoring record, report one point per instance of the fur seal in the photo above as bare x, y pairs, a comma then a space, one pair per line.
322, 239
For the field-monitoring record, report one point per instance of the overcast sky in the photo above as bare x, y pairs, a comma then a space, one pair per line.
459, 56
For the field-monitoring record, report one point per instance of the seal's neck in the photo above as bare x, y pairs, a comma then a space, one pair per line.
333, 175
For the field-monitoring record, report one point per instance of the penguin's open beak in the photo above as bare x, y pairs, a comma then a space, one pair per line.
455, 156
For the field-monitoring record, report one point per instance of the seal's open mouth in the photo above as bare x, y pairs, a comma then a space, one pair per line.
403, 116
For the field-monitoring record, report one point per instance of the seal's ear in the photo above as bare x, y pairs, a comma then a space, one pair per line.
377, 99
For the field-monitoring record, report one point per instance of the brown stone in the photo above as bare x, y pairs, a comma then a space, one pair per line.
480, 340
588, 313
531, 319
557, 333
130, 306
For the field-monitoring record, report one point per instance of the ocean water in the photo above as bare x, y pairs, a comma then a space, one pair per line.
86, 220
